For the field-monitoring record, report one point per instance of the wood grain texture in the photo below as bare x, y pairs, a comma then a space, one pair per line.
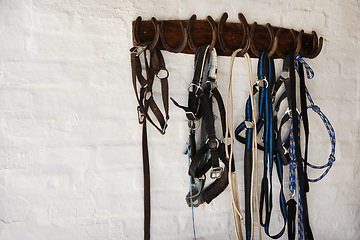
233, 35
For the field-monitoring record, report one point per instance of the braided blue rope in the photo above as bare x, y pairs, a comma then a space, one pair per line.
293, 178
309, 71
328, 165
292, 182
187, 151
300, 219
328, 126
331, 133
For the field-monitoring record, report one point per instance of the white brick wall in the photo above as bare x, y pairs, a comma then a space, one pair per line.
70, 145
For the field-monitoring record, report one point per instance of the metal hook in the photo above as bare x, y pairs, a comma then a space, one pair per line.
275, 40
213, 31
298, 43
271, 44
189, 28
221, 33
278, 52
316, 46
246, 35
180, 47
245, 39
136, 25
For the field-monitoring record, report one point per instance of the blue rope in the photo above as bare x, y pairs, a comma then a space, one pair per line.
292, 178
293, 163
309, 71
328, 126
187, 151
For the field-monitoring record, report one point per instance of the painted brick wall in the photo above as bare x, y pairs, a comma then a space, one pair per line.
70, 144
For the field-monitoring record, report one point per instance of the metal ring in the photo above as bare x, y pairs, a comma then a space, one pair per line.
262, 80
211, 147
194, 85
167, 74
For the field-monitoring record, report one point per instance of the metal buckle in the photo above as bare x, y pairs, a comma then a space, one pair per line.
286, 151
216, 172
190, 116
292, 195
249, 124
141, 115
262, 83
213, 84
285, 75
142, 49
198, 87
289, 111
195, 199
214, 143
192, 124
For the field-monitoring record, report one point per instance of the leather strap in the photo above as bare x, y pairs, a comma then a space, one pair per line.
146, 101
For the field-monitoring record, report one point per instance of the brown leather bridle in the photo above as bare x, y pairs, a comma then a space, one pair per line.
154, 68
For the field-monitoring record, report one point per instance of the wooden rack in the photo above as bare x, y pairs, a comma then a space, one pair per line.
184, 36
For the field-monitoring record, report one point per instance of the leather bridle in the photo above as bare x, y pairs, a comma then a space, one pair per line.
145, 98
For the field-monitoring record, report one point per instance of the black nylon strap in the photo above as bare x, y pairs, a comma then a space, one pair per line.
291, 214
300, 168
304, 179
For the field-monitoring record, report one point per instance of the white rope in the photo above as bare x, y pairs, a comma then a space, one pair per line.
235, 205
232, 176
254, 173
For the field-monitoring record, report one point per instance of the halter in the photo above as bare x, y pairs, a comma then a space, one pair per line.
263, 87
144, 96
289, 149
202, 90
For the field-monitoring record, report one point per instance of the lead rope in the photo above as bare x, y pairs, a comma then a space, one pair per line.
234, 193
232, 176
328, 126
299, 63
254, 173
192, 185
